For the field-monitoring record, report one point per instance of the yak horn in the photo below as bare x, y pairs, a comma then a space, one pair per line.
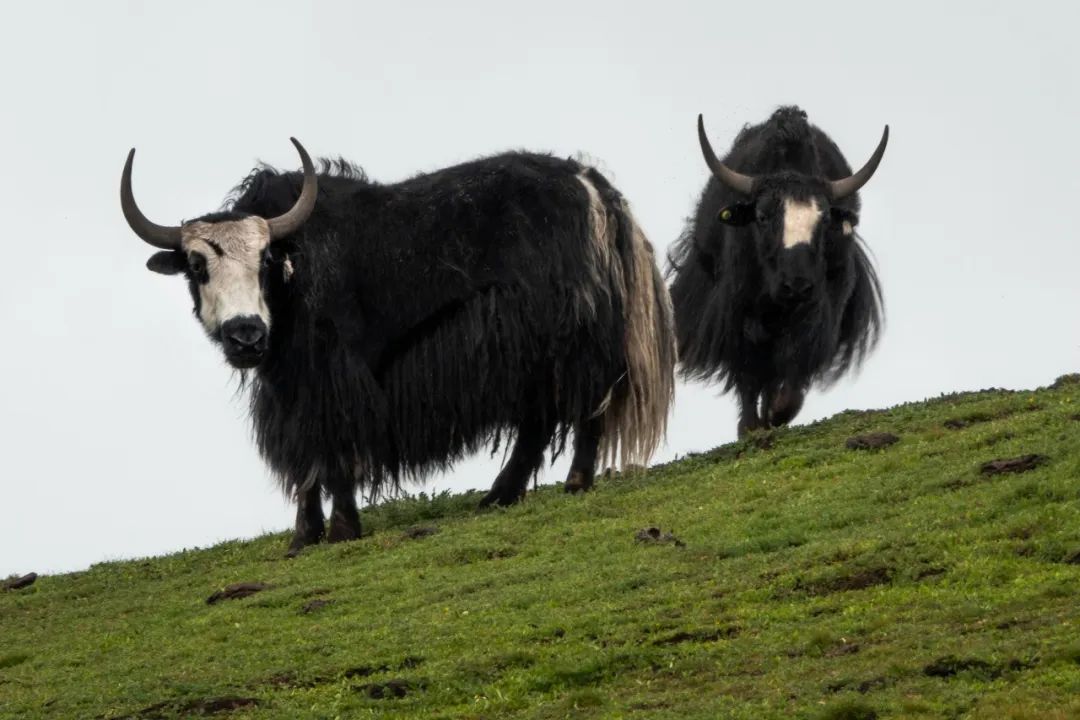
160, 236
839, 189
735, 181
290, 222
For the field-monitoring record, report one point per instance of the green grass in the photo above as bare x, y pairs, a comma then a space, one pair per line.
815, 582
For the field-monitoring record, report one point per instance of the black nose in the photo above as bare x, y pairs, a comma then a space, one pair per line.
244, 335
798, 288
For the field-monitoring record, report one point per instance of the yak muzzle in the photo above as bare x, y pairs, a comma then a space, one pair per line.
245, 340
796, 290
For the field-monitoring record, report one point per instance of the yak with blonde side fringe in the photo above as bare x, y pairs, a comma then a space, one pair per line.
511, 301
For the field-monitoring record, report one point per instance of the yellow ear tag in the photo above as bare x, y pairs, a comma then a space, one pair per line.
725, 214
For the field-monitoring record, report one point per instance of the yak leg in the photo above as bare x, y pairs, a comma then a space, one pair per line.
310, 523
749, 420
587, 434
344, 515
785, 403
528, 454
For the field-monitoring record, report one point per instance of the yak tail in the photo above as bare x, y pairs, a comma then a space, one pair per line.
635, 411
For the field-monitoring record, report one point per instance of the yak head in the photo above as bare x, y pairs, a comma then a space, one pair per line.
225, 257
793, 219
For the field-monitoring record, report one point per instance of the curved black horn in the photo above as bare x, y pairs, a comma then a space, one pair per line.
735, 181
288, 223
160, 236
848, 186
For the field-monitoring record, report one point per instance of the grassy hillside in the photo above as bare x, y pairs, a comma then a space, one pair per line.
810, 580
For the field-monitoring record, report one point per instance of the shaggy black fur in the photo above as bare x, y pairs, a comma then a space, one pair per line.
413, 323
764, 320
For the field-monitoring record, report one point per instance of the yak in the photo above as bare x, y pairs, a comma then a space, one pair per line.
384, 331
772, 287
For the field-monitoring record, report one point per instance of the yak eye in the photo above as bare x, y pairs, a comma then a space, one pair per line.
197, 264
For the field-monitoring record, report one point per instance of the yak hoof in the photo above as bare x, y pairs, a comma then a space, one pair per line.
312, 535
343, 530
503, 497
297, 546
578, 481
746, 429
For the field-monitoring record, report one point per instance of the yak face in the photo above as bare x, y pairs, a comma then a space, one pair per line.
794, 219
791, 225
225, 257
225, 262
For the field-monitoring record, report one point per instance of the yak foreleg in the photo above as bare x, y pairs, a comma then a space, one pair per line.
310, 522
749, 419
784, 402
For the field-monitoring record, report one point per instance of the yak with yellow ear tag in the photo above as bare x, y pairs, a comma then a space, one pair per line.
772, 288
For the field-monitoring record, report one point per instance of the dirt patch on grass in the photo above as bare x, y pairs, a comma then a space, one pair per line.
951, 666
1024, 463
236, 591
844, 648
848, 710
192, 708
419, 531
389, 690
959, 423
18, 583
654, 536
317, 604
930, 572
860, 579
700, 636
860, 686
291, 679
871, 441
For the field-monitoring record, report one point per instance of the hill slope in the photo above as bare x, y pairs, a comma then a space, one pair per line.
811, 581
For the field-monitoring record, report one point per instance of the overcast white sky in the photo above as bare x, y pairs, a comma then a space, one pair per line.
120, 432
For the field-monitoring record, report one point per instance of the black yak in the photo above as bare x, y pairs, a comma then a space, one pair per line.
386, 331
772, 288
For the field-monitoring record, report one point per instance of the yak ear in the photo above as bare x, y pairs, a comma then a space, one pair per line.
167, 262
737, 214
846, 219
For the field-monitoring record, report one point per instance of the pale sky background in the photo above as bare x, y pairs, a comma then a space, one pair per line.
120, 431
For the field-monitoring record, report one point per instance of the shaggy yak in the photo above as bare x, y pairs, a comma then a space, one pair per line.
772, 288
386, 331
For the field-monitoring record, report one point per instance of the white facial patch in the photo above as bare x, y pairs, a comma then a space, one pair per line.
800, 221
846, 228
233, 252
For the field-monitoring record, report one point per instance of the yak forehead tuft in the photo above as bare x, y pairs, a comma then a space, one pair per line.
800, 220
242, 240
